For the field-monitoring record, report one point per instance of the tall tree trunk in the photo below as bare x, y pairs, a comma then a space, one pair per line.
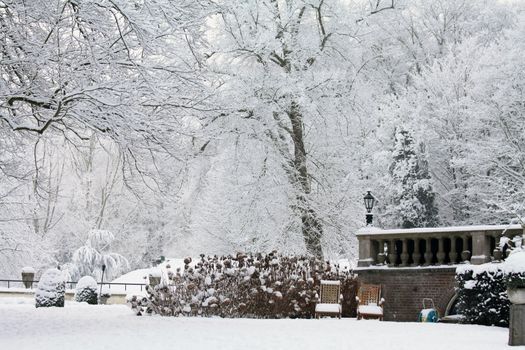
312, 228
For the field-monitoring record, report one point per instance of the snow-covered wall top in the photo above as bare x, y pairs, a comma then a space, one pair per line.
368, 231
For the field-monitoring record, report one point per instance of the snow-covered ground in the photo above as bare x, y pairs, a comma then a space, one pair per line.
82, 326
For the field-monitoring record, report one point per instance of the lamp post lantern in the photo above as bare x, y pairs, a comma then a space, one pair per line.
369, 205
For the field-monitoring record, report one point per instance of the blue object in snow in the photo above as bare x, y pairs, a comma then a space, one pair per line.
428, 314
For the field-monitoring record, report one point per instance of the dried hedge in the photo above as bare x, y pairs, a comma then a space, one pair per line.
253, 286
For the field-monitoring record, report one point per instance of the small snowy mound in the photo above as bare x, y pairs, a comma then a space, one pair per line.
515, 263
86, 290
86, 282
51, 289
514, 269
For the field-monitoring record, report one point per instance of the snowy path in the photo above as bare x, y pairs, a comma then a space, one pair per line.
80, 326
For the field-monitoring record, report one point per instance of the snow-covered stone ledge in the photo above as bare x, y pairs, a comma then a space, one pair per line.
431, 246
116, 297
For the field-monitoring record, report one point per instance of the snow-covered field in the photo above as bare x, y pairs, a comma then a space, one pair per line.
79, 326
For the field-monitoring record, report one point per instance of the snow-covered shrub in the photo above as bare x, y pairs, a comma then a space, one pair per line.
138, 304
86, 290
88, 259
482, 294
259, 286
514, 267
51, 289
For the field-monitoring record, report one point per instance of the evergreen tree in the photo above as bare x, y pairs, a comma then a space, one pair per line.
412, 198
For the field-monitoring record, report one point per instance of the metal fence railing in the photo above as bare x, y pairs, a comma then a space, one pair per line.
11, 283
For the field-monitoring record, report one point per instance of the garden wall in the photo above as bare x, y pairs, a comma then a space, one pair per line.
405, 288
116, 298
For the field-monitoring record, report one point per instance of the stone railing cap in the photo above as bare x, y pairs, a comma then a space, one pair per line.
371, 231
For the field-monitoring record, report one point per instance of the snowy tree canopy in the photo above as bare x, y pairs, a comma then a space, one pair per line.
410, 185
217, 126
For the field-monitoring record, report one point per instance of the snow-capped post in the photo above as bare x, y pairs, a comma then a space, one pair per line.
369, 200
28, 276
102, 280
155, 275
514, 268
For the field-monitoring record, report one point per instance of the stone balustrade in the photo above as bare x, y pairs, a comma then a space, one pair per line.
433, 246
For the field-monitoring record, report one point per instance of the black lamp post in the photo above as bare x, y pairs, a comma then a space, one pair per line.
369, 205
102, 279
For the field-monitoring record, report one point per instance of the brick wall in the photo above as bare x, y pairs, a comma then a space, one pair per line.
405, 288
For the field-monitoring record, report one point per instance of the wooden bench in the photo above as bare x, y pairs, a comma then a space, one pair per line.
330, 299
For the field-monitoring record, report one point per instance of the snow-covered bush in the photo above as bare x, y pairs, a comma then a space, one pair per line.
88, 259
86, 290
258, 286
514, 268
51, 289
482, 294
514, 265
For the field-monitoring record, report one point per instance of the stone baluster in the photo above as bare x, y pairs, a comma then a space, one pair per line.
416, 256
497, 254
392, 255
453, 255
428, 252
381, 252
374, 249
480, 248
441, 251
404, 253
465, 254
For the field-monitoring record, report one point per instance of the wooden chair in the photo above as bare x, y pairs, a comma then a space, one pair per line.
330, 299
369, 302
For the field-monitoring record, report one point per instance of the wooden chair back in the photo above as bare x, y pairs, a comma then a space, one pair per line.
330, 292
369, 294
